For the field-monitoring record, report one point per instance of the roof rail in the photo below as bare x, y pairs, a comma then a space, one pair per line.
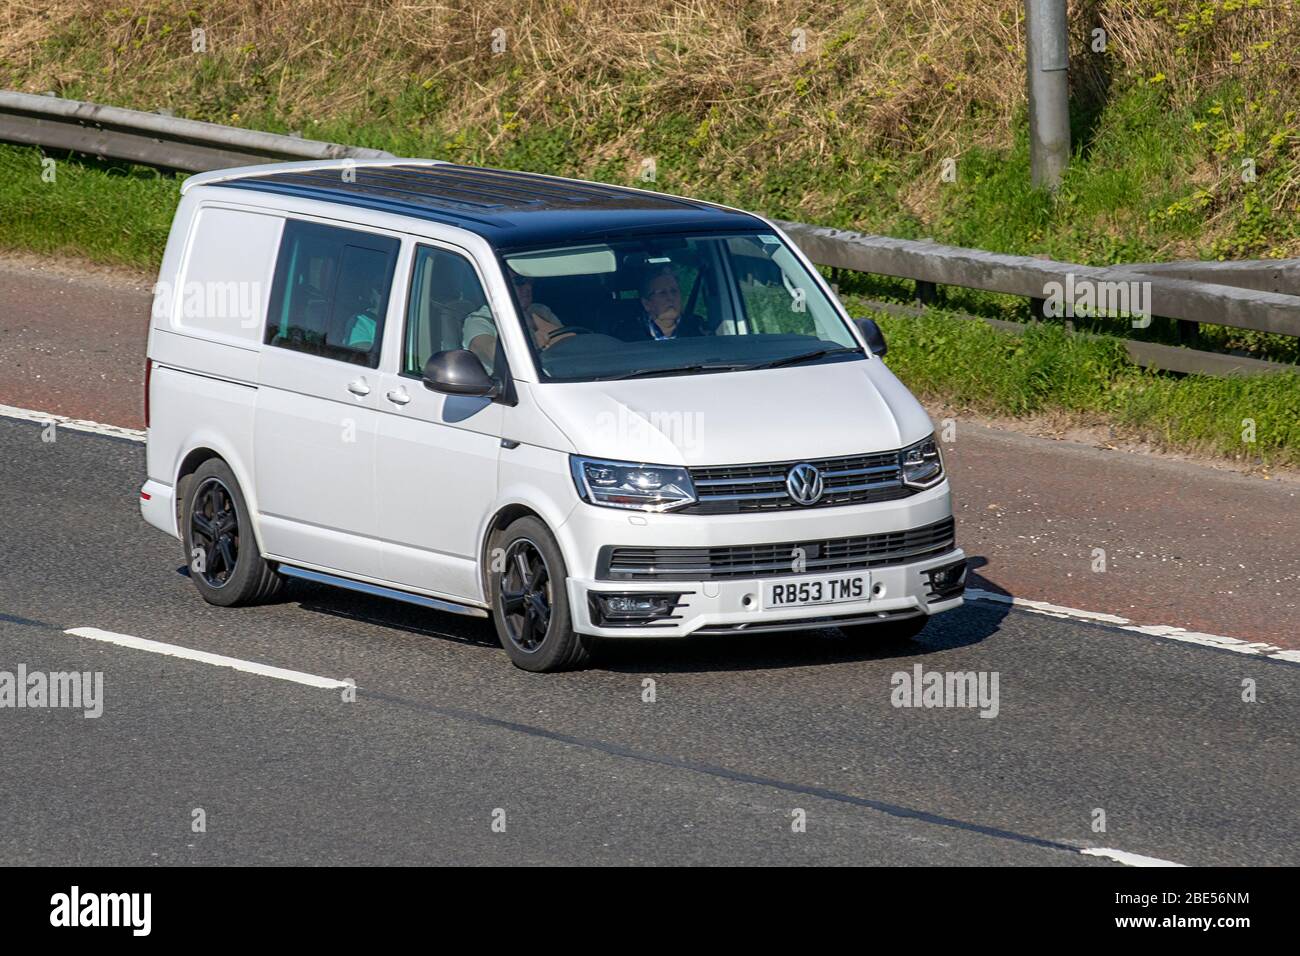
310, 165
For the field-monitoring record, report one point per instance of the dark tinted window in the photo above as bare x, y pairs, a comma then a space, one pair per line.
330, 292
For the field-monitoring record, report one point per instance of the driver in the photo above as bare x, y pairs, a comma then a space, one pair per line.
661, 310
480, 330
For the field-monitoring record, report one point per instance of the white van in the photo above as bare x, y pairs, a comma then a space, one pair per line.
582, 410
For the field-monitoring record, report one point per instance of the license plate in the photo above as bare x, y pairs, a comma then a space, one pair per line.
824, 589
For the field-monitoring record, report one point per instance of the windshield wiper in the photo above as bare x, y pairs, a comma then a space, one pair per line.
802, 357
678, 370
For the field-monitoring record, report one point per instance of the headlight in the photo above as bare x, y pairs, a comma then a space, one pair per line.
623, 484
922, 464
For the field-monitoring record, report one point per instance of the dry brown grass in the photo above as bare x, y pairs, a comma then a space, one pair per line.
897, 74
911, 81
894, 71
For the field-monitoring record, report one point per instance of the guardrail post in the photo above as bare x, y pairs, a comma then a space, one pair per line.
927, 293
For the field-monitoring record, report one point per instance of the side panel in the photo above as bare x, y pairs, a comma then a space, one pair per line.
437, 479
196, 411
314, 449
317, 414
209, 306
437, 454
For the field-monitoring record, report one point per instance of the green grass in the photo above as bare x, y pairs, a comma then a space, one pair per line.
977, 368
104, 213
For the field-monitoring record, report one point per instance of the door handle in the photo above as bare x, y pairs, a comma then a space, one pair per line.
359, 387
399, 396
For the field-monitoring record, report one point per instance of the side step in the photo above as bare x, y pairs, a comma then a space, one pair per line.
377, 590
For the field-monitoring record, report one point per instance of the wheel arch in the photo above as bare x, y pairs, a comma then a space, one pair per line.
502, 519
204, 450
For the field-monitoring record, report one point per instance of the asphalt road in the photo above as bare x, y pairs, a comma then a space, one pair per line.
444, 732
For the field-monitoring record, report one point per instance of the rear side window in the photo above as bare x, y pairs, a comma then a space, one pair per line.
330, 292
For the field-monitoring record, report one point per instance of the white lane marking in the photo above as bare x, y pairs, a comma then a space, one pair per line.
1128, 859
1154, 630
75, 424
203, 657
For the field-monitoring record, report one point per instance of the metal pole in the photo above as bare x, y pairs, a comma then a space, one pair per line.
1047, 58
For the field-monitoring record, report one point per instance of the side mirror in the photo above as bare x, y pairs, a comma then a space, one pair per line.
875, 338
458, 372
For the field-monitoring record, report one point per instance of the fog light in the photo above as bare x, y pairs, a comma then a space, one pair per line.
628, 609
629, 604
948, 580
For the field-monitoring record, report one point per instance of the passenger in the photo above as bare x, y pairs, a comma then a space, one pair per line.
362, 325
480, 331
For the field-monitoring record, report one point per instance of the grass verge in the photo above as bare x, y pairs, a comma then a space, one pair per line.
115, 214
971, 366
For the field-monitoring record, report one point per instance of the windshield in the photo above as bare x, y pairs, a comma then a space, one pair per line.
673, 305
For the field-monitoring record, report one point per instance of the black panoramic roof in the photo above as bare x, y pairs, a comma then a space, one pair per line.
508, 209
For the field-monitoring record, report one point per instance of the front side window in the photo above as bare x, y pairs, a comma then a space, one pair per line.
673, 305
447, 309
330, 292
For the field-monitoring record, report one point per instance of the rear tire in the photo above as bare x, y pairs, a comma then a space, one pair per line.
530, 603
888, 631
220, 548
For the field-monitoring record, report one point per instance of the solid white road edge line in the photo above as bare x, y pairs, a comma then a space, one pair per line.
1128, 859
975, 594
76, 424
1153, 630
203, 657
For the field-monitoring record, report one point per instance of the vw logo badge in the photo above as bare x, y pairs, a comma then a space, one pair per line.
804, 484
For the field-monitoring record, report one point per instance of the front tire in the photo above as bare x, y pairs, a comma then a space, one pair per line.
220, 548
530, 603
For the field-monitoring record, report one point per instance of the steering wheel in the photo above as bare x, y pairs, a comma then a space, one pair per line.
591, 336
574, 329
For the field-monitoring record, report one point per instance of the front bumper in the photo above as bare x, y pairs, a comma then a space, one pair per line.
712, 606
734, 606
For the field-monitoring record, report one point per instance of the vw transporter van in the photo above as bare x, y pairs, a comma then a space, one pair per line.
583, 411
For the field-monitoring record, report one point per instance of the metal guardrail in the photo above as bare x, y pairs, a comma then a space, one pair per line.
1241, 294
1259, 295
1169, 358
152, 139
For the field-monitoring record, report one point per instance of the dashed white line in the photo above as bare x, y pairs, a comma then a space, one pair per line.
75, 424
1128, 859
203, 657
1154, 630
